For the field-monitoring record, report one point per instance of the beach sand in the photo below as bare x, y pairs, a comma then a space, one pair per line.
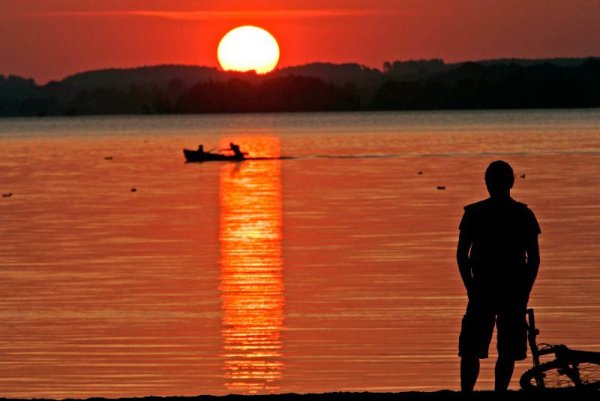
554, 395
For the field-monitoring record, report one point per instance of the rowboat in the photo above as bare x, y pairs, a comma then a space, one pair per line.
201, 156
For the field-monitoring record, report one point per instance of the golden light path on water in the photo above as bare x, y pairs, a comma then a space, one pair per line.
251, 280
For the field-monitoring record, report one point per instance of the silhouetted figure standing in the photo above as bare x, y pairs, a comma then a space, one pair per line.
498, 258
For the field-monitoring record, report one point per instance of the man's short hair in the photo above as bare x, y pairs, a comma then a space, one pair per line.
499, 177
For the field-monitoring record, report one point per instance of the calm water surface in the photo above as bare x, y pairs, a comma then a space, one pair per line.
331, 270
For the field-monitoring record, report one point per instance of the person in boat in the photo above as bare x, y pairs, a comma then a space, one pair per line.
236, 150
201, 149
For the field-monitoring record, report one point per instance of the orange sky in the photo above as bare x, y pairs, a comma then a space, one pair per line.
51, 39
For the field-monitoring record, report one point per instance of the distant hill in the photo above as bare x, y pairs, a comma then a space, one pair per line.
524, 62
17, 95
337, 74
156, 75
400, 85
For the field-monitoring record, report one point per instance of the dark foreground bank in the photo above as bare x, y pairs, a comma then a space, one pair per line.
555, 395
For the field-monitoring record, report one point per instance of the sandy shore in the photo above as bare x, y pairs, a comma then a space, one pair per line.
556, 395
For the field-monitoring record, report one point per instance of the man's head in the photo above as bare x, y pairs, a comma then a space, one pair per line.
499, 178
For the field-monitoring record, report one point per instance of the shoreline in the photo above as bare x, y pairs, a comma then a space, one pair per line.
443, 395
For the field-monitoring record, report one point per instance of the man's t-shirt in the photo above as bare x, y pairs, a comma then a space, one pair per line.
499, 232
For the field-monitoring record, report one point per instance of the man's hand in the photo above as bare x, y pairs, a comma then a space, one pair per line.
471, 291
464, 264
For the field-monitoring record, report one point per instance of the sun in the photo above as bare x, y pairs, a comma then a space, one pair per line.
248, 48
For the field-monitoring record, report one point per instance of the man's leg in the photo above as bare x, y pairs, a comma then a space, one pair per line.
504, 370
512, 340
469, 371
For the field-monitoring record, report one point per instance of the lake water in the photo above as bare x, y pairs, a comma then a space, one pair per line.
331, 270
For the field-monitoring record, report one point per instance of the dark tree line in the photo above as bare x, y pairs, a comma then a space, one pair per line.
412, 85
286, 94
476, 86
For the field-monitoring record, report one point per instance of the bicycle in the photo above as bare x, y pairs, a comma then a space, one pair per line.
569, 368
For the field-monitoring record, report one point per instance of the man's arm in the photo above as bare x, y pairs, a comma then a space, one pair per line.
464, 265
533, 261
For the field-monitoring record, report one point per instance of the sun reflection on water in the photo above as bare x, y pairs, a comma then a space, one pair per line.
252, 289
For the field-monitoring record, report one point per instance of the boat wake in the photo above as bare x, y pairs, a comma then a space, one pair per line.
365, 156
308, 157
311, 157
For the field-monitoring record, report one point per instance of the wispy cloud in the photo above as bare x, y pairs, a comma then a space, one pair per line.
216, 15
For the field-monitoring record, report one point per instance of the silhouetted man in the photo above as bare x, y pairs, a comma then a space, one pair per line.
498, 258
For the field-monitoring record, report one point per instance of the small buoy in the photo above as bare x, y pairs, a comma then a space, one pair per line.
523, 176
108, 158
441, 188
133, 189
420, 173
8, 195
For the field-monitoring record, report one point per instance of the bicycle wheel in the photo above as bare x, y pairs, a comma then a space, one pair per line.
563, 374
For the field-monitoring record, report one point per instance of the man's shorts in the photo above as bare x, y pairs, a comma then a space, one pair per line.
478, 327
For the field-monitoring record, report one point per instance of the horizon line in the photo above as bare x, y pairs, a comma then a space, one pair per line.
379, 69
